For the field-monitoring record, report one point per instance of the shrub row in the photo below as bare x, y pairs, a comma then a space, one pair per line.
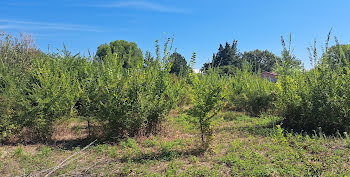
124, 101
38, 89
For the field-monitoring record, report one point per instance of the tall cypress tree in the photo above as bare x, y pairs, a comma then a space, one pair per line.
227, 56
179, 64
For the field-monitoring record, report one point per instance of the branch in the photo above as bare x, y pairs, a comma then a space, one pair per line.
63, 162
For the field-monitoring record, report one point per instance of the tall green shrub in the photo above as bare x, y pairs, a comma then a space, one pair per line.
129, 101
319, 98
16, 60
249, 92
208, 94
51, 94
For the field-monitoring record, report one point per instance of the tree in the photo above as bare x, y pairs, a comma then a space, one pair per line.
179, 64
149, 59
207, 94
338, 55
103, 51
289, 61
264, 60
228, 55
126, 52
225, 59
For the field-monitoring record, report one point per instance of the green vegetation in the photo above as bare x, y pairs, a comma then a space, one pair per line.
126, 53
263, 60
338, 55
179, 64
243, 146
315, 99
122, 113
121, 101
248, 92
207, 96
228, 59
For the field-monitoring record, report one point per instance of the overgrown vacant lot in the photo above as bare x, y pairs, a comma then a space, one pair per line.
241, 146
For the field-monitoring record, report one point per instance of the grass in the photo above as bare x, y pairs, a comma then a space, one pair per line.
242, 146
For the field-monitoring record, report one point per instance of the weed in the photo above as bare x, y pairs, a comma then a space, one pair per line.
172, 169
113, 152
129, 143
193, 159
45, 151
18, 152
149, 143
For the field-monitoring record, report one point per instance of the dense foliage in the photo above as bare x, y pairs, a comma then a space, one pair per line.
208, 94
124, 101
248, 92
337, 55
226, 59
127, 53
263, 60
179, 64
315, 99
126, 93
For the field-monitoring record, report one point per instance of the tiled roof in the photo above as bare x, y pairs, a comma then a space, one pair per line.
270, 73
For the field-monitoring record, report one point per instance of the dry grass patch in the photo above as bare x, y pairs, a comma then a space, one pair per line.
242, 146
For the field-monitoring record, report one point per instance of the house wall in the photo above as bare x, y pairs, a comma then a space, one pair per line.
270, 76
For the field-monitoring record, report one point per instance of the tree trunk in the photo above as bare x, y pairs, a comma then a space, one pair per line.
201, 126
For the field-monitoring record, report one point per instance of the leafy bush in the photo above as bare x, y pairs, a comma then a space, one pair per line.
208, 94
38, 90
16, 60
129, 101
247, 91
52, 93
316, 98
47, 93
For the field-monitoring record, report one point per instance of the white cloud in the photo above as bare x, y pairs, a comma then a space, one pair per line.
196, 71
32, 25
141, 5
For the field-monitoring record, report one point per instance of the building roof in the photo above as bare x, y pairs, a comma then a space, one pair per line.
270, 73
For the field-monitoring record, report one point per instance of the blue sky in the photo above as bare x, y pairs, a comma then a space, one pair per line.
198, 25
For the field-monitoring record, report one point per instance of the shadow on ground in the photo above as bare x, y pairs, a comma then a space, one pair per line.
249, 127
166, 155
